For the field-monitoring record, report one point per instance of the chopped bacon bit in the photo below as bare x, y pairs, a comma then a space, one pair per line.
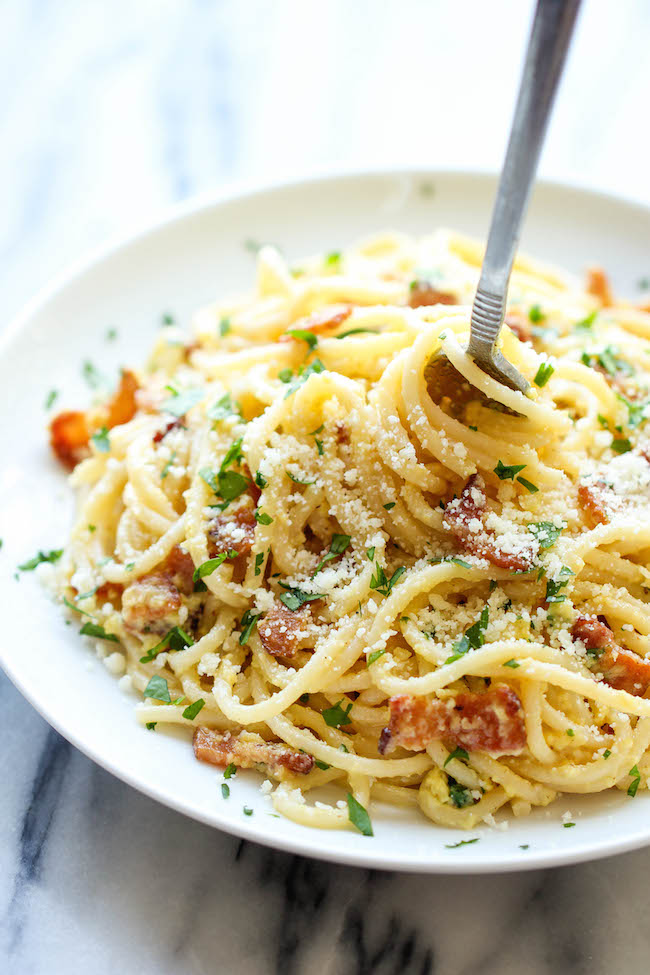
323, 320
179, 565
253, 489
592, 498
152, 602
491, 722
69, 435
122, 405
620, 667
598, 286
232, 531
109, 592
342, 432
281, 630
520, 325
463, 517
172, 425
422, 293
246, 751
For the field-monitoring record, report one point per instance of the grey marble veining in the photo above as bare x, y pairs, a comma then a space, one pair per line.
111, 110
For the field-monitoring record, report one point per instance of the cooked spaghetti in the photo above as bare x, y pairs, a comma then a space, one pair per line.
320, 538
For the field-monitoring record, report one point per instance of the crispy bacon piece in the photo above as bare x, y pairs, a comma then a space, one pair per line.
152, 602
179, 566
520, 325
323, 320
463, 517
232, 531
281, 630
69, 435
621, 668
598, 286
122, 405
172, 425
592, 498
246, 751
422, 293
491, 722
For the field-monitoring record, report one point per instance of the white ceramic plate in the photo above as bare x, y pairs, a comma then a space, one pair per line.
192, 257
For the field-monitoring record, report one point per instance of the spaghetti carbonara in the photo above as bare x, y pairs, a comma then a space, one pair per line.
320, 538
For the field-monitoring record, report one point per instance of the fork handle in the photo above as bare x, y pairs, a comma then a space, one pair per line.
545, 57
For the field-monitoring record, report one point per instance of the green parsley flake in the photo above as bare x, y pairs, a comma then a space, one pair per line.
304, 335
358, 816
192, 710
357, 331
512, 663
459, 753
381, 583
248, 623
636, 781
165, 471
52, 556
262, 518
94, 629
543, 374
536, 314
167, 319
151, 725
338, 546
248, 811
472, 639
260, 480
225, 790
207, 568
333, 259
375, 655
223, 408
530, 487
454, 846
224, 326
179, 403
336, 716
101, 440
259, 558
507, 473
176, 639
545, 532
230, 770
294, 598
50, 398
157, 689
621, 445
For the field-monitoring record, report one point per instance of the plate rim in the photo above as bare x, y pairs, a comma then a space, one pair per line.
301, 844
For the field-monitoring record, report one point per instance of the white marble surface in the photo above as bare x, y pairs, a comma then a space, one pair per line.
111, 110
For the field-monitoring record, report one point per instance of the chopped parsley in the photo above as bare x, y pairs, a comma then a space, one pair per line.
606, 753
570, 732
226, 484
457, 753
50, 398
260, 480
375, 655
358, 816
536, 315
167, 319
225, 790
357, 331
230, 770
543, 374
176, 639
193, 709
554, 587
512, 663
94, 629
336, 716
181, 401
259, 558
637, 412
207, 568
545, 532
608, 360
165, 471
530, 487
382, 583
371, 553
305, 336
296, 480
248, 811
223, 408
586, 323
390, 505
157, 689
92, 375
294, 598
52, 556
111, 334
338, 546
262, 518
454, 846
151, 725
224, 326
303, 375
333, 259
323, 766
568, 825
635, 783
248, 623
285, 375
459, 795
472, 639
101, 440
507, 473
77, 609
621, 445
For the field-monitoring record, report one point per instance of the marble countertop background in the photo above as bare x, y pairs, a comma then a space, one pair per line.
110, 111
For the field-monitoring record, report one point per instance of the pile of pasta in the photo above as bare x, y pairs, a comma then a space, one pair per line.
319, 537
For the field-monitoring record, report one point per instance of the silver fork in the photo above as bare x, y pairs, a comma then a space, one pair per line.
547, 48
